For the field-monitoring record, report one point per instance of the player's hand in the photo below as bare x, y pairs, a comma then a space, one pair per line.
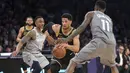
61, 40
60, 46
14, 53
63, 45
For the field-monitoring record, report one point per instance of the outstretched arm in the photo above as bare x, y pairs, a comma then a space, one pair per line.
47, 26
49, 38
27, 37
81, 28
20, 34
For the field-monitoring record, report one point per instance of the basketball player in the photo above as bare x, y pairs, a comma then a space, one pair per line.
72, 46
103, 43
25, 29
32, 52
22, 32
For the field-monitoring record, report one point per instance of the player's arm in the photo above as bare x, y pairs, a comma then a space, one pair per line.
47, 26
20, 34
56, 28
30, 35
81, 28
75, 46
49, 39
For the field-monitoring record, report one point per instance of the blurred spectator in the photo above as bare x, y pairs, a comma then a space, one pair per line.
126, 61
8, 49
1, 48
119, 58
12, 32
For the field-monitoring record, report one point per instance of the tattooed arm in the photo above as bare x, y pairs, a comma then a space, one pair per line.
81, 28
30, 35
21, 30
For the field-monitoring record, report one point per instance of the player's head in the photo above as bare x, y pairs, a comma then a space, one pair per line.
66, 20
126, 51
39, 22
29, 21
100, 5
121, 48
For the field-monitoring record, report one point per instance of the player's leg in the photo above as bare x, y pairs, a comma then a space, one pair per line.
43, 62
36, 67
47, 68
114, 69
86, 53
55, 66
78, 68
81, 68
67, 61
111, 63
32, 61
108, 57
71, 67
24, 66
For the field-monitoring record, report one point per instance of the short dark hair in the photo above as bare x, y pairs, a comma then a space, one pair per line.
29, 17
68, 16
37, 18
101, 4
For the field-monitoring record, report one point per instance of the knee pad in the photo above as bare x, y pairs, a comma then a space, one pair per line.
55, 67
36, 67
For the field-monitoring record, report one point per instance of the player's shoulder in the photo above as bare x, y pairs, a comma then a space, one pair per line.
32, 33
56, 27
21, 28
33, 30
89, 14
108, 16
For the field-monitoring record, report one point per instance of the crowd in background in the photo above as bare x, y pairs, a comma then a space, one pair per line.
14, 12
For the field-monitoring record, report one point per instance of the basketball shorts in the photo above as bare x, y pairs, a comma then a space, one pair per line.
64, 61
29, 58
97, 48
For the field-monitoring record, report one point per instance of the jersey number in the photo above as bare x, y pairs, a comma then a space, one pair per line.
105, 25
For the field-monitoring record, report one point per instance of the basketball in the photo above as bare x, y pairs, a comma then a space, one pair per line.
58, 52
